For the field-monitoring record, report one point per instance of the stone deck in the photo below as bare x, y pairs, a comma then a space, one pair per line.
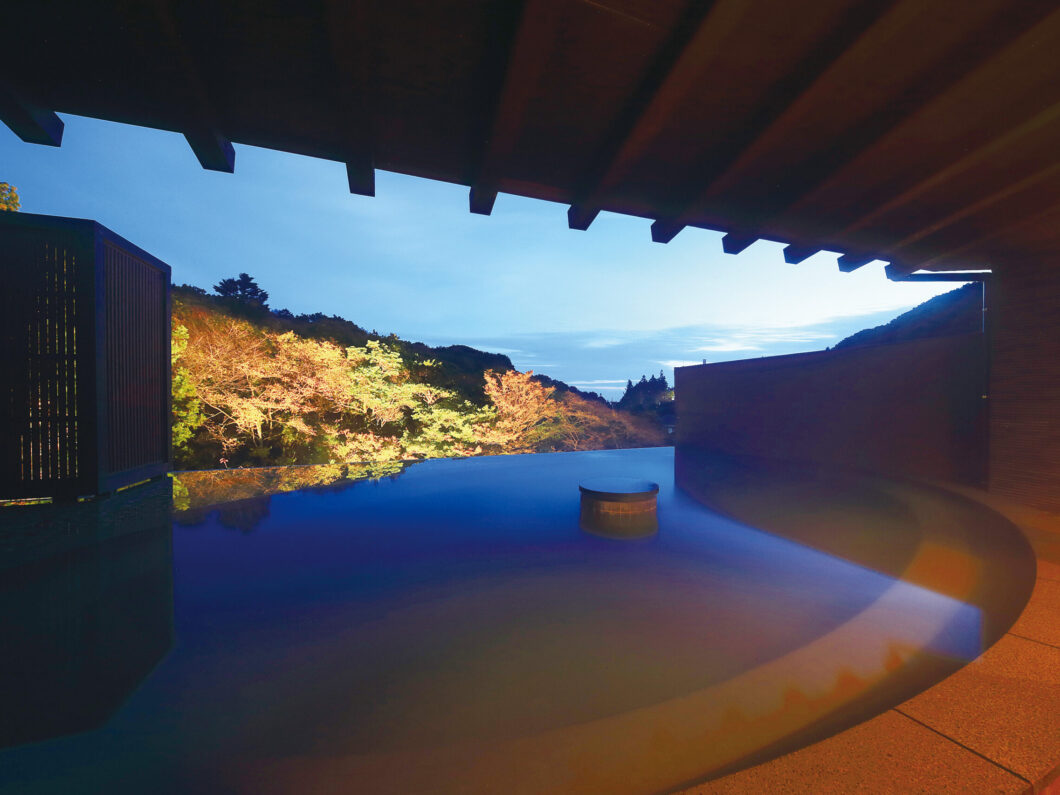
994, 726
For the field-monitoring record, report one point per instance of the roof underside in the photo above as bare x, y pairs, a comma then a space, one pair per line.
924, 134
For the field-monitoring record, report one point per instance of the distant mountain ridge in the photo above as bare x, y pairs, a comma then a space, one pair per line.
959, 311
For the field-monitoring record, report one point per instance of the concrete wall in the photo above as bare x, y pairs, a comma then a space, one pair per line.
911, 409
1024, 302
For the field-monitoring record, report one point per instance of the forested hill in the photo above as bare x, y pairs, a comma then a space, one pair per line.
459, 366
959, 311
256, 386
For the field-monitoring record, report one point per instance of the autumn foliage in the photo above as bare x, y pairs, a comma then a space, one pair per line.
9, 200
244, 394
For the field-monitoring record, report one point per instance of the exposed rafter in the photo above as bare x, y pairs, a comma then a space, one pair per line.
794, 253
669, 73
32, 124
213, 150
662, 232
352, 53
1045, 124
900, 274
953, 53
1003, 207
735, 242
851, 262
955, 258
858, 18
924, 135
1027, 134
534, 36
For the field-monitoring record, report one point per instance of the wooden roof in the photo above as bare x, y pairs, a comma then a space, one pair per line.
922, 133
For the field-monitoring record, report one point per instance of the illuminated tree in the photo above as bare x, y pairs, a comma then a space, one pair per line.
9, 198
186, 407
247, 394
524, 410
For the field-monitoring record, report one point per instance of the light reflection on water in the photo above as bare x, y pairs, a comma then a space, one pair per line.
453, 629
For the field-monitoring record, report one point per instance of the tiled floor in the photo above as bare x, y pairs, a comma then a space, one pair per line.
994, 726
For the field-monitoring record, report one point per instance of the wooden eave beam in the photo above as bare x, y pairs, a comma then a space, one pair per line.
795, 254
903, 274
662, 232
851, 262
481, 200
957, 258
1008, 206
213, 150
987, 36
785, 92
211, 147
532, 41
661, 77
352, 52
963, 159
32, 124
735, 242
857, 19
980, 157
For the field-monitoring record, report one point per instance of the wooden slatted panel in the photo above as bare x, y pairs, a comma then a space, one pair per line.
42, 357
137, 361
1025, 384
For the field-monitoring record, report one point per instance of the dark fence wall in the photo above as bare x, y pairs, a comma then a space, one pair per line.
84, 359
137, 360
912, 409
1024, 301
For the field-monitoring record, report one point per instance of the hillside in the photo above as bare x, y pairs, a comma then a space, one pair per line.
254, 386
460, 367
959, 311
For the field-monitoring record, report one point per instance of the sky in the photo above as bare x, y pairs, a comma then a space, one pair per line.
591, 308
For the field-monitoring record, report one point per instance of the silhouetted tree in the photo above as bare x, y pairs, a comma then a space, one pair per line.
646, 394
243, 290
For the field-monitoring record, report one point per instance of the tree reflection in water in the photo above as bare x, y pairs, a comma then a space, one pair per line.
241, 496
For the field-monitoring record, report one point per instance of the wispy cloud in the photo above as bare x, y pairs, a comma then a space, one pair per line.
795, 335
680, 362
758, 339
604, 342
727, 346
496, 349
602, 360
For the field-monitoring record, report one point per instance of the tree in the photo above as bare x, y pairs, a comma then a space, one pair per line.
9, 198
248, 391
242, 290
265, 397
524, 408
186, 407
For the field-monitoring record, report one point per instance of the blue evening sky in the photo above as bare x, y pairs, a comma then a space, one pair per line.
590, 308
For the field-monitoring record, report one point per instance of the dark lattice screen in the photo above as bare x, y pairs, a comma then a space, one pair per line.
43, 345
84, 359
